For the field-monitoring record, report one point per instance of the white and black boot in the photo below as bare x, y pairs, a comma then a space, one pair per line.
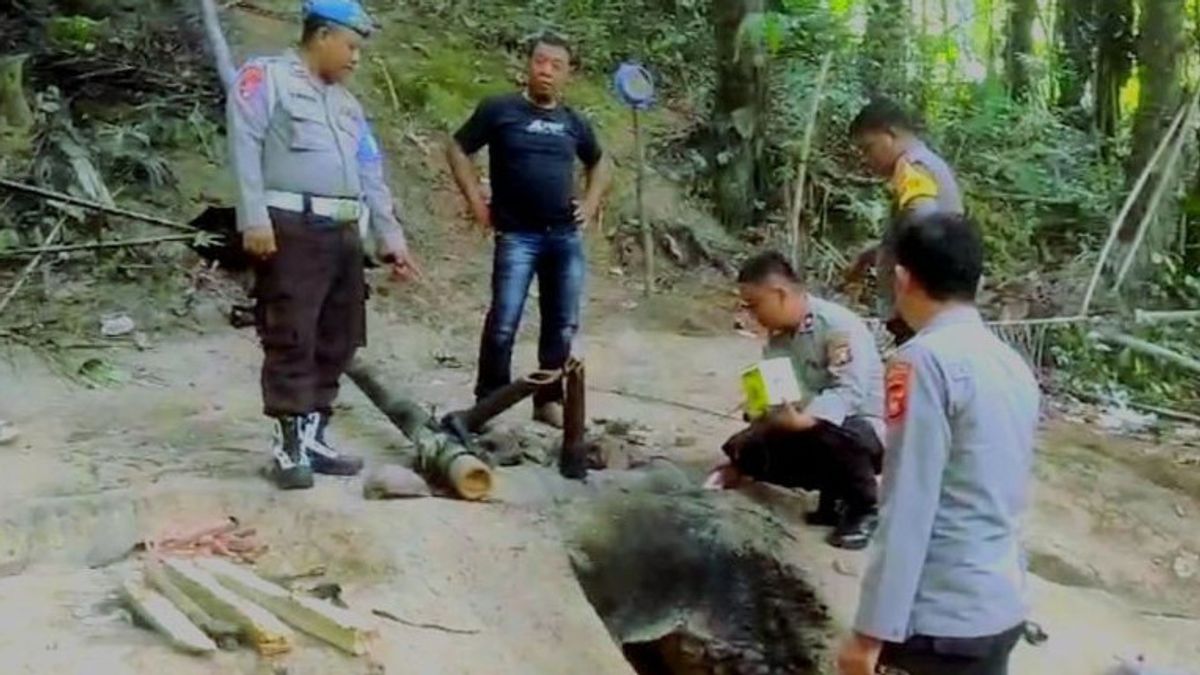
291, 468
324, 457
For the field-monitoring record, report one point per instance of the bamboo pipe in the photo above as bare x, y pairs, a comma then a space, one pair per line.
440, 456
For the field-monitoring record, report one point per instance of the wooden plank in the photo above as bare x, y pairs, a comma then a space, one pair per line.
216, 629
157, 611
339, 627
266, 632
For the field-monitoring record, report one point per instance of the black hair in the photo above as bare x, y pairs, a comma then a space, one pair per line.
314, 25
882, 115
765, 265
944, 253
550, 39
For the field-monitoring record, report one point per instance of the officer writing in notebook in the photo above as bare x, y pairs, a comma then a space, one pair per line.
830, 440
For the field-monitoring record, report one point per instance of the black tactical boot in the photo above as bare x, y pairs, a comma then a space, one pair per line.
854, 532
828, 513
291, 469
324, 457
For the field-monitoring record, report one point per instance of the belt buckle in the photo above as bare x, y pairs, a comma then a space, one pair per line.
344, 210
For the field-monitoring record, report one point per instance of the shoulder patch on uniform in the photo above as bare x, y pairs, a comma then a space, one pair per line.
911, 182
837, 350
896, 382
250, 81
368, 146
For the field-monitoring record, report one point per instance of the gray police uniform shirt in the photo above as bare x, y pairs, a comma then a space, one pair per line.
962, 411
291, 132
837, 364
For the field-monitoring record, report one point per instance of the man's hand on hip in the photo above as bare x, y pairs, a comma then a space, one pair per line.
586, 213
259, 241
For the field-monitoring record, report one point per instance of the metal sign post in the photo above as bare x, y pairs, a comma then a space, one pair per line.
635, 87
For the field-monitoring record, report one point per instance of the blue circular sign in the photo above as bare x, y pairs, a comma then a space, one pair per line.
634, 85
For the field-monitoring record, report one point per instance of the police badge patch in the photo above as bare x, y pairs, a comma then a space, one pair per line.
896, 389
250, 81
838, 351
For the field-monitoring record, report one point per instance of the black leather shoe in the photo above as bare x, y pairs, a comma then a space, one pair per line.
855, 531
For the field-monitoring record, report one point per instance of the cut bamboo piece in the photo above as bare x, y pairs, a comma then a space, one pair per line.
339, 627
268, 634
156, 610
216, 629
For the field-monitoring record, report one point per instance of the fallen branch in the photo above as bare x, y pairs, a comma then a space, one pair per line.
37, 259
1150, 349
124, 243
1179, 415
391, 84
91, 205
1160, 192
1152, 316
384, 614
1130, 200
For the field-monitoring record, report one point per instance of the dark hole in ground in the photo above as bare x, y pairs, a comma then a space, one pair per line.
689, 588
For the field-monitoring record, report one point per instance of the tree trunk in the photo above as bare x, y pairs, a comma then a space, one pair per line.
1160, 48
1019, 48
885, 49
739, 116
1114, 63
1076, 44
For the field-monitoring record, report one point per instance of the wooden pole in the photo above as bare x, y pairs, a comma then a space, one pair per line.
92, 205
226, 69
37, 259
1119, 221
1150, 349
1160, 191
122, 243
797, 244
647, 231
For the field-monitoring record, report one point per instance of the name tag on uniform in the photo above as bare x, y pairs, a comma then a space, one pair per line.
769, 383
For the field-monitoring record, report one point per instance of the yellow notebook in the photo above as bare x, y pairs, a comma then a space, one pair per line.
769, 383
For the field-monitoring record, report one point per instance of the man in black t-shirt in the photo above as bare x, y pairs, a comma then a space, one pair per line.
533, 141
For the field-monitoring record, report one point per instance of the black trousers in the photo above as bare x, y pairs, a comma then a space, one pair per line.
310, 312
923, 655
839, 461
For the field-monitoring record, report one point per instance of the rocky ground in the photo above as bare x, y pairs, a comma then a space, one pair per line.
1112, 533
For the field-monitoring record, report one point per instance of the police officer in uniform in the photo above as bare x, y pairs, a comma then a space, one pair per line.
920, 182
309, 169
943, 593
831, 440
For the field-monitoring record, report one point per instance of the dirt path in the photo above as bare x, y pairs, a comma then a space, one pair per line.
1108, 526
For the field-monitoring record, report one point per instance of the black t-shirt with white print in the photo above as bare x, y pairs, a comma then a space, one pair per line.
532, 152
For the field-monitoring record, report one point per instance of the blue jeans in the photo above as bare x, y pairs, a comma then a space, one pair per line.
557, 258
